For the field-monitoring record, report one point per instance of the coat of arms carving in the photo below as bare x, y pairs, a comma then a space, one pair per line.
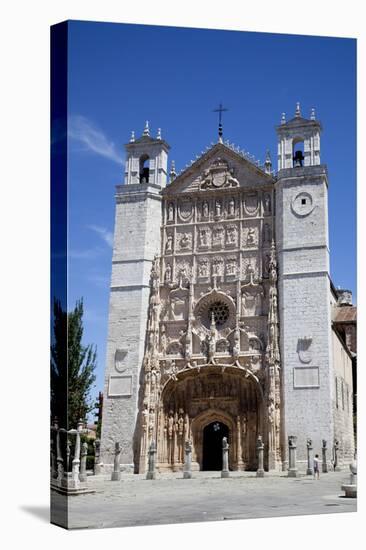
218, 175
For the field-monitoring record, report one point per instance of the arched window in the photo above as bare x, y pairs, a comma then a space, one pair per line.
298, 152
144, 168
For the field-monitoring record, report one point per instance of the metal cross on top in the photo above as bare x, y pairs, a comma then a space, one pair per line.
220, 110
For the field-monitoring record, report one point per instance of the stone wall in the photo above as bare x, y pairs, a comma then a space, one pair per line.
136, 241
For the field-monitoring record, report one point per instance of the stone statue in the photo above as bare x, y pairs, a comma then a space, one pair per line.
203, 237
170, 424
205, 209
218, 208
203, 268
169, 244
168, 274
231, 211
170, 212
266, 233
267, 203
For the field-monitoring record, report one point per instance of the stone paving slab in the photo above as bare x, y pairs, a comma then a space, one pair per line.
171, 499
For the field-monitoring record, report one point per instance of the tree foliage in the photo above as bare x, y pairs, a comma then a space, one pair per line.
72, 367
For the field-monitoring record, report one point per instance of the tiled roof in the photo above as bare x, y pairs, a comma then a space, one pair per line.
345, 314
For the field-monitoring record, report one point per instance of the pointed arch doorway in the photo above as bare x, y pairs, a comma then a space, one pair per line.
212, 445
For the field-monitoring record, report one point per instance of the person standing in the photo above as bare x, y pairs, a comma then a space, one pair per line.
316, 466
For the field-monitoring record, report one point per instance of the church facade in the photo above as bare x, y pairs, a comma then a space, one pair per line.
221, 308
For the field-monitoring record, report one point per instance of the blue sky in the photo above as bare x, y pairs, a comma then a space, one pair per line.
121, 75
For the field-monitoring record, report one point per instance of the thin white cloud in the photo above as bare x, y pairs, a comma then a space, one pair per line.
87, 254
82, 130
106, 235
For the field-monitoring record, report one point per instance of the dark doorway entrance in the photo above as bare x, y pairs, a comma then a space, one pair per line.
212, 445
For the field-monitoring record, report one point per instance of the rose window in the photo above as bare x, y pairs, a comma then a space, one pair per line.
220, 313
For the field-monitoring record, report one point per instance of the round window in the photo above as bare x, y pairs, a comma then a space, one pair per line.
220, 312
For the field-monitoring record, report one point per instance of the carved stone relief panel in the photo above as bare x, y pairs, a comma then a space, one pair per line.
183, 241
231, 267
251, 203
183, 269
250, 265
203, 268
231, 235
217, 266
185, 209
217, 175
203, 238
251, 302
218, 236
250, 236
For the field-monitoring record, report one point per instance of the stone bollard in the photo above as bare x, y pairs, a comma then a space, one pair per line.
350, 488
336, 456
309, 448
97, 463
76, 459
292, 470
324, 457
116, 474
83, 455
151, 474
187, 468
225, 458
260, 453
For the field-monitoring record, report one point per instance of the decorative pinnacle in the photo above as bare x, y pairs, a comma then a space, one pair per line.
172, 173
312, 115
159, 134
298, 112
132, 138
283, 118
146, 130
268, 162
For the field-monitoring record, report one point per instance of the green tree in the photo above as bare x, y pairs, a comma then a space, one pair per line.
72, 366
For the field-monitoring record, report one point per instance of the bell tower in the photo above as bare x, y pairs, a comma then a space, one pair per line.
146, 159
299, 141
304, 283
138, 217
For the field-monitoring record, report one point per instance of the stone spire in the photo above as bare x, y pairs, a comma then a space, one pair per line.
132, 138
283, 118
159, 134
312, 114
146, 129
268, 163
298, 111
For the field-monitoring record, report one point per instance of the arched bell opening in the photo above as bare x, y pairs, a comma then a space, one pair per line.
298, 152
144, 168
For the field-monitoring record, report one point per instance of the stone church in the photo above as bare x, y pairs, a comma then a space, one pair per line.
222, 308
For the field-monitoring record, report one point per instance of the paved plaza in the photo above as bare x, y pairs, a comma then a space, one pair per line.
171, 499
